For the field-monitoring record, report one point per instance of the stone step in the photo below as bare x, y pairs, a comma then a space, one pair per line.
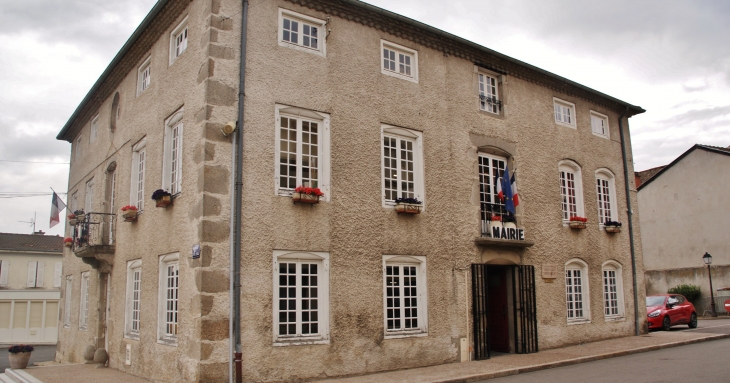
20, 376
5, 379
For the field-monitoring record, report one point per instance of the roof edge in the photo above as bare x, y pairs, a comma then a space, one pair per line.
669, 165
62, 135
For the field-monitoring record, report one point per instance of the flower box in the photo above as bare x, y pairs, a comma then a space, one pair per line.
305, 198
72, 222
130, 215
68, 242
613, 229
577, 225
408, 208
163, 201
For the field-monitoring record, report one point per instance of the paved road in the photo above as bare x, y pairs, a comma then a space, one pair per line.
40, 354
701, 362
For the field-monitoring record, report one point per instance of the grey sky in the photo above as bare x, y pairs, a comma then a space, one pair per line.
670, 57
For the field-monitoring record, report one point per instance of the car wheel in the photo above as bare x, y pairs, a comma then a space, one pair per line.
666, 324
693, 321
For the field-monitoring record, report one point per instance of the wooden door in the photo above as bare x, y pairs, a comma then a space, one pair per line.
498, 318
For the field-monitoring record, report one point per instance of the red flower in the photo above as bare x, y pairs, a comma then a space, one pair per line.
309, 191
68, 240
129, 207
576, 218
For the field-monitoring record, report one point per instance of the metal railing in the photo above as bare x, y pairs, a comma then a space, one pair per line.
489, 210
94, 229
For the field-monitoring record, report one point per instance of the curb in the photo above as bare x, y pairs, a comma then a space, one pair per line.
569, 362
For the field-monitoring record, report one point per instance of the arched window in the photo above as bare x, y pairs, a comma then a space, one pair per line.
613, 294
571, 189
606, 195
114, 115
576, 291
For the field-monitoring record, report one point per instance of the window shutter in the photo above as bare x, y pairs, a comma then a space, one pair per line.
57, 274
32, 266
4, 266
40, 274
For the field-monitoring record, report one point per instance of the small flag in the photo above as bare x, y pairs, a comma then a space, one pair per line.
56, 207
509, 204
515, 196
500, 193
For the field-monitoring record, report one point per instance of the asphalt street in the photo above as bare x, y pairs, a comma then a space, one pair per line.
40, 354
700, 362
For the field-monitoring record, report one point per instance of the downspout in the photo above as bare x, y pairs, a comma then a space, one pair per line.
631, 220
237, 205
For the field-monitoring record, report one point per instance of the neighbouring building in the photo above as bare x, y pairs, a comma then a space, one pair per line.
683, 216
30, 287
370, 107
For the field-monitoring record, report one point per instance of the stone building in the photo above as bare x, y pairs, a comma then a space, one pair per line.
370, 107
30, 287
682, 218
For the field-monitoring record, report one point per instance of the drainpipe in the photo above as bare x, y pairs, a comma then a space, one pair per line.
236, 207
631, 221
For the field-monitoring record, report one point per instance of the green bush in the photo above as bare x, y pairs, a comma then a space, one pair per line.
691, 292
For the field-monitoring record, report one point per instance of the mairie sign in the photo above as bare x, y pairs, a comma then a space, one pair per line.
508, 233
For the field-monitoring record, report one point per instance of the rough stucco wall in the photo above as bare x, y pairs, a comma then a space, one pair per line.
659, 281
679, 213
357, 231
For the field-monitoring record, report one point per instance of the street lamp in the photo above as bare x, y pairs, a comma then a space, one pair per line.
708, 261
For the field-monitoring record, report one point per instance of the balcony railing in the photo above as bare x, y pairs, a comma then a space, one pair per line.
93, 239
488, 211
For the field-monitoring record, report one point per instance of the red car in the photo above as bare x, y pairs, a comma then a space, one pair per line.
667, 310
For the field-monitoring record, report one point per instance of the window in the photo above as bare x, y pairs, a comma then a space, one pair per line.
301, 298
564, 113
576, 291
143, 77
134, 290
138, 169
89, 197
490, 169
57, 273
301, 32
36, 274
112, 183
303, 152
571, 189
398, 61
77, 148
84, 306
613, 297
599, 124
94, 129
172, 169
402, 164
67, 296
606, 194
168, 314
4, 268
404, 296
488, 94
74, 201
178, 40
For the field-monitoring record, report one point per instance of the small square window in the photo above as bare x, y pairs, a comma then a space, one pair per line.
489, 93
143, 76
564, 113
398, 61
178, 40
599, 124
301, 32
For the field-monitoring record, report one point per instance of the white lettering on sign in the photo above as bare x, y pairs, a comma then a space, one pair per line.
508, 233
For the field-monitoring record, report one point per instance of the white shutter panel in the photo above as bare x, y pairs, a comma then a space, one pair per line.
32, 266
57, 274
4, 266
40, 274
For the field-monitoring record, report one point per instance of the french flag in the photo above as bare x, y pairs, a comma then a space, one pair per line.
515, 196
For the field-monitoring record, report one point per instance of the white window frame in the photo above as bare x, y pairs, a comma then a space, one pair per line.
133, 299
567, 166
68, 293
399, 50
486, 89
84, 302
36, 274
322, 260
94, 129
74, 201
323, 131
173, 153
163, 336
179, 46
419, 262
89, 196
401, 134
136, 192
4, 268
57, 274
144, 73
303, 20
596, 126
585, 315
619, 313
559, 108
77, 147
606, 177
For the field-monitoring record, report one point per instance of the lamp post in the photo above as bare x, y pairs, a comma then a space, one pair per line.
708, 261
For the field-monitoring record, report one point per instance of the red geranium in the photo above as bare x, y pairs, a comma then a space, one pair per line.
309, 191
68, 240
576, 218
129, 207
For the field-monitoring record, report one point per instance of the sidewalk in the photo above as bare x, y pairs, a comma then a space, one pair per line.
503, 365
